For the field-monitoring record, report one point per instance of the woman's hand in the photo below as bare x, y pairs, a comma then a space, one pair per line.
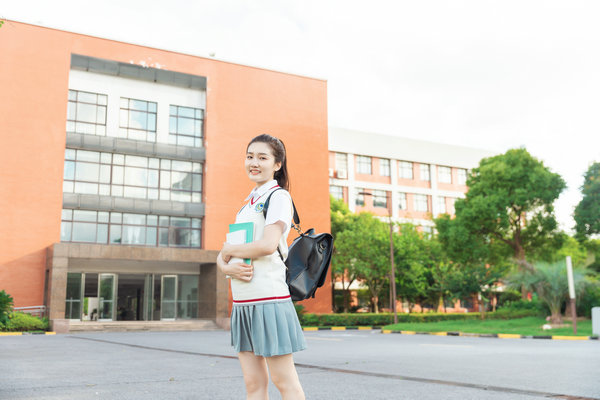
243, 272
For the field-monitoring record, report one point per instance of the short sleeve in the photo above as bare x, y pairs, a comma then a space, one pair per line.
280, 209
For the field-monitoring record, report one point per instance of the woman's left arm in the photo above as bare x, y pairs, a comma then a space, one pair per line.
259, 248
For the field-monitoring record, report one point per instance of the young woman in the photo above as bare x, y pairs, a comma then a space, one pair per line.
264, 325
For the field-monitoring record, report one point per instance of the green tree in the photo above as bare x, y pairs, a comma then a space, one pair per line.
341, 219
415, 256
476, 262
362, 252
508, 208
587, 212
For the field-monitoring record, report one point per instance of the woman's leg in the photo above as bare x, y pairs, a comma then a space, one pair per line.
284, 376
256, 376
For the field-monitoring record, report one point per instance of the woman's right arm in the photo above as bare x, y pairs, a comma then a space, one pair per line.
239, 271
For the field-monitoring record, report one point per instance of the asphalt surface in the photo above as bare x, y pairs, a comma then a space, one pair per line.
337, 365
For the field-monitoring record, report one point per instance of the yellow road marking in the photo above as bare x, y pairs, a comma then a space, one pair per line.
509, 336
570, 337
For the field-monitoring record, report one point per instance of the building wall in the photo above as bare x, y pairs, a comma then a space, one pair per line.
241, 102
424, 158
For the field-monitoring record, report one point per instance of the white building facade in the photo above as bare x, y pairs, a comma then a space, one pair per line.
412, 180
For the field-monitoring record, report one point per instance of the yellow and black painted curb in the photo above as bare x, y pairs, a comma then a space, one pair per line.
493, 335
340, 328
25, 333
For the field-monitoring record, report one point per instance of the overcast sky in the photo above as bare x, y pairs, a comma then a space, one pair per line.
488, 74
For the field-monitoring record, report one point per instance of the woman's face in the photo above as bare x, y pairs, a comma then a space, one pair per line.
260, 163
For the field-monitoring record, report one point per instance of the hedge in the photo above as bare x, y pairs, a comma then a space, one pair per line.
19, 322
371, 319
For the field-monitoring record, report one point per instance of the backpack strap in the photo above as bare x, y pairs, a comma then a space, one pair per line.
296, 223
296, 217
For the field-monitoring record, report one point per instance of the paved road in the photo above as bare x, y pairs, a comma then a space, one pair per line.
337, 365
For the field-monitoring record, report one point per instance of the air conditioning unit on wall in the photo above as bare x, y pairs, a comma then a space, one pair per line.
342, 174
331, 172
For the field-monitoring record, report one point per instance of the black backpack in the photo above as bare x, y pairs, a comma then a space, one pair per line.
308, 258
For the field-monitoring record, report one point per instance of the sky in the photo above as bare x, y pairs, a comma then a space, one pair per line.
488, 74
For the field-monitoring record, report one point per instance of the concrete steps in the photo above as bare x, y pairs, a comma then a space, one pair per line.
137, 326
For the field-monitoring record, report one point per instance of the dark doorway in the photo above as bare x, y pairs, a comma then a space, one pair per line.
130, 297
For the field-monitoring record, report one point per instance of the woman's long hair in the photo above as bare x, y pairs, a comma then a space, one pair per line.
280, 155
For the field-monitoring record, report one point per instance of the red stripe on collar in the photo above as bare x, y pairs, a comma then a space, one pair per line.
252, 201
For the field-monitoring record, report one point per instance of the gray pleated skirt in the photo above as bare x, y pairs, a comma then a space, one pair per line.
270, 329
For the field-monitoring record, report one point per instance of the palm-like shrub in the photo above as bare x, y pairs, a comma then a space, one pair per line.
549, 281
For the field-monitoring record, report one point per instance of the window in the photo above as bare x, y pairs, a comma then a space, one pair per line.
341, 162
384, 167
406, 170
428, 230
445, 174
364, 165
451, 209
441, 205
462, 176
120, 175
185, 126
137, 120
129, 229
424, 172
421, 203
86, 113
402, 204
360, 198
380, 198
337, 192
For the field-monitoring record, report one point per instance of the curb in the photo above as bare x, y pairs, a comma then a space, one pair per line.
339, 328
492, 335
25, 333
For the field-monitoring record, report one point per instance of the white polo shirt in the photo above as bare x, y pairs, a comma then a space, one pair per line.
268, 282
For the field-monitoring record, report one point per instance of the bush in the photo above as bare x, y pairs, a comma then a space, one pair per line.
589, 298
534, 305
18, 322
6, 305
371, 319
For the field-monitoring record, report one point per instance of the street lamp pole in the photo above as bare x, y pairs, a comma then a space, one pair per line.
393, 271
392, 268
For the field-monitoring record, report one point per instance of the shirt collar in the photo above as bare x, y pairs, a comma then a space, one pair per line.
259, 191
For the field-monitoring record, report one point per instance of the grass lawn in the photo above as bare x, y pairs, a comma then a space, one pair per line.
523, 326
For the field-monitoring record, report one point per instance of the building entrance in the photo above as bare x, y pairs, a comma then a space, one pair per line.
131, 297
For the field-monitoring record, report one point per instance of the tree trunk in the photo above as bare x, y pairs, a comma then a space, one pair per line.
375, 302
556, 317
346, 300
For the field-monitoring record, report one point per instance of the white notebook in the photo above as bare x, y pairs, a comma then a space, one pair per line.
237, 237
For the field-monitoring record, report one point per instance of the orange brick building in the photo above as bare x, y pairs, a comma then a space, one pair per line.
121, 166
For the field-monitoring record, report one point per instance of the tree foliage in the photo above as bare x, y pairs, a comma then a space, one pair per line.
587, 212
362, 252
509, 203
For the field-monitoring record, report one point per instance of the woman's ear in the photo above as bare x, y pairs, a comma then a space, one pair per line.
277, 166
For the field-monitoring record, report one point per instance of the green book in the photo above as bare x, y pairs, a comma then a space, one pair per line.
239, 234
